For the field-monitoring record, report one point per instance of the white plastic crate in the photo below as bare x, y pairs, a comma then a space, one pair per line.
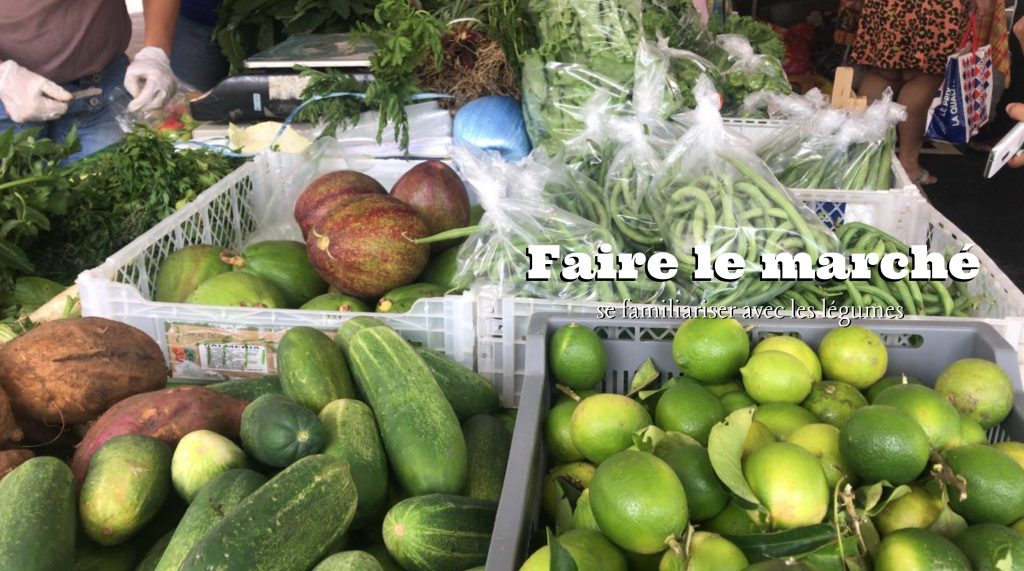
229, 214
501, 322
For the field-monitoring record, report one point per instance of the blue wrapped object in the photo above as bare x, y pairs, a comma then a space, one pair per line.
493, 123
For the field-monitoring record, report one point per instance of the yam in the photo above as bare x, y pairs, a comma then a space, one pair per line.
9, 429
70, 371
166, 415
11, 459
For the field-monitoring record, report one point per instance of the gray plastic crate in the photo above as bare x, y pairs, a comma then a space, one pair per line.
918, 348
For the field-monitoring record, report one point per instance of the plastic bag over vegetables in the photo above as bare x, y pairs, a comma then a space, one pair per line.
770, 105
844, 150
517, 216
749, 72
714, 193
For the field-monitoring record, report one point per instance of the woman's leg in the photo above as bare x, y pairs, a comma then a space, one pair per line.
916, 95
875, 81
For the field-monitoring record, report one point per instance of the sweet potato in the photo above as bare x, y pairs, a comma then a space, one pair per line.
70, 371
9, 429
11, 459
166, 415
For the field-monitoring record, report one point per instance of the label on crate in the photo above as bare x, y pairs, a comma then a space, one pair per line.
233, 357
217, 351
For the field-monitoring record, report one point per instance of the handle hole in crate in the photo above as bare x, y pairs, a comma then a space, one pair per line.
903, 340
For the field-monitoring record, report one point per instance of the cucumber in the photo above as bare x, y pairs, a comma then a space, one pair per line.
278, 432
441, 269
249, 389
289, 523
213, 503
125, 486
152, 557
283, 263
353, 437
338, 302
401, 299
37, 516
468, 392
349, 561
487, 449
420, 431
438, 531
313, 371
349, 329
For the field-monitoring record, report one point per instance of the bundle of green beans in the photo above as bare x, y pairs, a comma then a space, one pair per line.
935, 298
733, 209
804, 162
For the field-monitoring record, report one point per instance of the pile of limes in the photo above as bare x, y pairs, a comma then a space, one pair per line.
779, 452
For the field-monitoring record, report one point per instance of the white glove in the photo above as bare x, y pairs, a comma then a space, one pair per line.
150, 80
28, 96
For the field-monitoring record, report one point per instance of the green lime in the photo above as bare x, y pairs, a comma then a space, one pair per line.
1018, 526
757, 438
642, 562
604, 424
919, 550
883, 443
789, 481
1014, 450
918, 509
796, 348
970, 432
735, 401
886, 382
557, 437
783, 418
576, 474
994, 484
833, 402
711, 350
638, 501
991, 547
854, 355
733, 520
708, 552
978, 388
577, 357
589, 549
939, 419
822, 440
705, 494
774, 376
689, 408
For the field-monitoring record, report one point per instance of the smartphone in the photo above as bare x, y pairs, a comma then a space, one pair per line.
1004, 150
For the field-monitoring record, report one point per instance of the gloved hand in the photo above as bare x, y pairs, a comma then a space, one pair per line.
150, 80
28, 96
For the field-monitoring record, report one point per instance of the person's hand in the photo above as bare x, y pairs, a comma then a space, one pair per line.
150, 80
28, 96
1016, 112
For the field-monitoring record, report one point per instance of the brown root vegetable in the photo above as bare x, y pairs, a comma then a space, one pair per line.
9, 429
166, 415
70, 371
11, 459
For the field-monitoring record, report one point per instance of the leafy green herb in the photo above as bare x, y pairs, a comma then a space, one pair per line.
335, 112
404, 35
762, 37
118, 194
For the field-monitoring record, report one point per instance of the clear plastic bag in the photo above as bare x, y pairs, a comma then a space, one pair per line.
714, 192
517, 215
837, 149
748, 72
795, 106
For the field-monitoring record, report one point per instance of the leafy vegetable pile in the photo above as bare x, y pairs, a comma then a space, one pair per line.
118, 194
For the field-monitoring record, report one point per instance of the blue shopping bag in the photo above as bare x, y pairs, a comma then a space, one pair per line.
962, 103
